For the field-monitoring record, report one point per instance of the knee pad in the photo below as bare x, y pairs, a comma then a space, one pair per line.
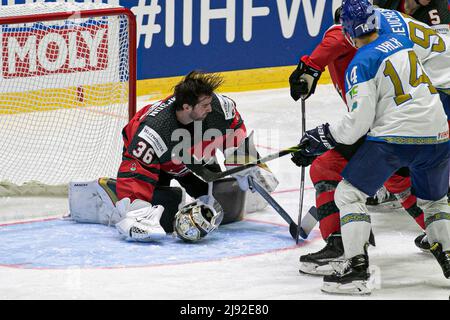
349, 199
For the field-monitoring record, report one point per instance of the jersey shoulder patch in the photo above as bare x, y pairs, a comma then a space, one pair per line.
228, 106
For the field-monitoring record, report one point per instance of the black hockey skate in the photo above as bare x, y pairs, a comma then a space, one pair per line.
443, 257
318, 263
353, 279
383, 197
422, 242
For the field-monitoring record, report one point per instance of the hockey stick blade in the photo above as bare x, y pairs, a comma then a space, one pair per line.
208, 176
293, 230
308, 223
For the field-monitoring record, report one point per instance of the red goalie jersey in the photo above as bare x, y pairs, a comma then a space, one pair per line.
154, 142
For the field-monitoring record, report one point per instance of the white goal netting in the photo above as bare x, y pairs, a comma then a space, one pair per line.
64, 92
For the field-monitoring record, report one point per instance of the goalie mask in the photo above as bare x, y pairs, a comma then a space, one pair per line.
195, 220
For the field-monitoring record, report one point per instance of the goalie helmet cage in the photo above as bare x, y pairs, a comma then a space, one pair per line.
67, 89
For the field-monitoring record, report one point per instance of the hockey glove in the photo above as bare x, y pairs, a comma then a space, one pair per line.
317, 141
309, 74
301, 160
141, 220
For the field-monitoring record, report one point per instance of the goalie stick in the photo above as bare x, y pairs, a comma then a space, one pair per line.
293, 228
258, 188
208, 176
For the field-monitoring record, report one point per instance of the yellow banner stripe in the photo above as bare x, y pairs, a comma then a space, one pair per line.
235, 81
115, 93
65, 98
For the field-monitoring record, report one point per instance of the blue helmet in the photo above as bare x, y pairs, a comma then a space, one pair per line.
358, 17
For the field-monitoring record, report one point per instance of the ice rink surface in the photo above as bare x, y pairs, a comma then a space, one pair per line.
263, 267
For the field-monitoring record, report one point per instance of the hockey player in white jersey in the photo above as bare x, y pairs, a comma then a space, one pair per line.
433, 51
389, 95
431, 47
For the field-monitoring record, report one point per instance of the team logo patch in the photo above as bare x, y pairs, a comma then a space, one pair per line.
353, 92
228, 106
155, 140
443, 135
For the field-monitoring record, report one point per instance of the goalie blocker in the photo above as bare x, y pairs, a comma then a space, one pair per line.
95, 202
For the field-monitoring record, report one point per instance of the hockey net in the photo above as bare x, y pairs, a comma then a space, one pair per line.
67, 88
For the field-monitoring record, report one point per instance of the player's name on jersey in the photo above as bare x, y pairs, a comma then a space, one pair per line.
390, 45
394, 21
157, 107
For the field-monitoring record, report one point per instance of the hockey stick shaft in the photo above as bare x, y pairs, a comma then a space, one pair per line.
302, 179
209, 176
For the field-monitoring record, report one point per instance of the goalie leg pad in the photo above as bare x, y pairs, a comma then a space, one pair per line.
254, 202
93, 202
247, 152
231, 198
266, 178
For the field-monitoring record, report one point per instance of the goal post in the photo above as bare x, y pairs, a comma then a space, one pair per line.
67, 89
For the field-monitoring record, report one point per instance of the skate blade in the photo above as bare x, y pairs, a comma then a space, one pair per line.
428, 251
358, 288
315, 269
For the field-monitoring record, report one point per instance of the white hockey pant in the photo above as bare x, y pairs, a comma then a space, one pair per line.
437, 221
355, 219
